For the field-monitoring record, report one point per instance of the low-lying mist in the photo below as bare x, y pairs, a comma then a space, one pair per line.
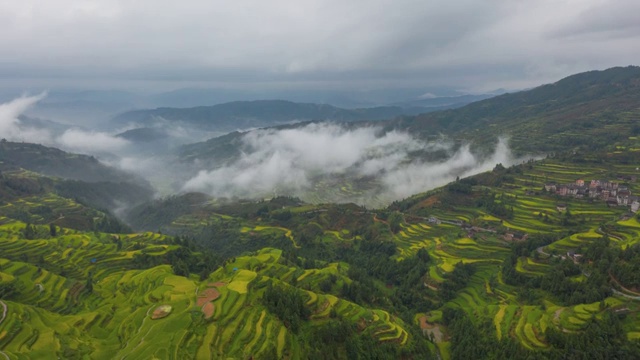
318, 162
297, 161
146, 159
72, 139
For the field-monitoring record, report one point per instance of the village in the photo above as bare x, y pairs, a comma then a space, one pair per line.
611, 192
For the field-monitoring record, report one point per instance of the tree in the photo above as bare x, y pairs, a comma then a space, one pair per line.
395, 220
52, 230
89, 285
29, 232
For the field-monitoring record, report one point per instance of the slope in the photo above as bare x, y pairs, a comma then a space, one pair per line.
261, 113
590, 109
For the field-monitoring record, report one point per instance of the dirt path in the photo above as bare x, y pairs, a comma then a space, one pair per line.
625, 295
540, 251
635, 294
375, 219
4, 311
556, 315
599, 231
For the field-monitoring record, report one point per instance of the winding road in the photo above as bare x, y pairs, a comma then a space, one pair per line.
4, 311
4, 315
586, 274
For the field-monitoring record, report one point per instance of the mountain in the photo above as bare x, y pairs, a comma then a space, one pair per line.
79, 177
240, 115
539, 260
582, 112
343, 98
443, 102
54, 162
53, 127
84, 107
144, 135
590, 109
36, 199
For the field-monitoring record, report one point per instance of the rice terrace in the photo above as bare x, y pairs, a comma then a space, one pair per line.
225, 314
502, 228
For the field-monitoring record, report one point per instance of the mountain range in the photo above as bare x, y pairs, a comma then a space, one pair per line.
503, 264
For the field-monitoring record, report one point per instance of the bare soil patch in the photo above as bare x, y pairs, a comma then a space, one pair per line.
423, 322
207, 295
322, 307
428, 202
431, 330
161, 312
208, 309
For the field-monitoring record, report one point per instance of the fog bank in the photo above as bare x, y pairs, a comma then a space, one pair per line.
296, 161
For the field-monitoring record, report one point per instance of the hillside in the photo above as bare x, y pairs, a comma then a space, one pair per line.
502, 276
54, 162
33, 170
240, 115
491, 265
65, 267
582, 112
535, 261
37, 199
587, 110
125, 297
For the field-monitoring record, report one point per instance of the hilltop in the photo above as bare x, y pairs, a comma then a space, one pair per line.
240, 115
587, 110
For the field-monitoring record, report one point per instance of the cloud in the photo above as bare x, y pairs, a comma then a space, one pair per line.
90, 141
12, 129
296, 161
602, 22
329, 43
416, 177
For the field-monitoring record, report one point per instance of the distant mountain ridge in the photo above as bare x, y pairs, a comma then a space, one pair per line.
583, 112
240, 115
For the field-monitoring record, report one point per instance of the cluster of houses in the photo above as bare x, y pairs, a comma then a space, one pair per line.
610, 192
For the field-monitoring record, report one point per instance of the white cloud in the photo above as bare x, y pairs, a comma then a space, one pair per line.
464, 43
90, 141
290, 161
12, 129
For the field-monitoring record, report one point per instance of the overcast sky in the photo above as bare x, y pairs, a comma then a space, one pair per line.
474, 45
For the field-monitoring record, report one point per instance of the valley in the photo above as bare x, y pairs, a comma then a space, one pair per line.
312, 253
534, 258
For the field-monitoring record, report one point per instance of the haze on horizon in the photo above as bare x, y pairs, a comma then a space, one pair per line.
391, 50
468, 46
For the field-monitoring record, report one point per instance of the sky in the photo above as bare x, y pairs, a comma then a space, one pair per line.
471, 45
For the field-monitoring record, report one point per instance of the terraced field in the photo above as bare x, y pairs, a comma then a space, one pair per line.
486, 296
53, 313
241, 327
223, 315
